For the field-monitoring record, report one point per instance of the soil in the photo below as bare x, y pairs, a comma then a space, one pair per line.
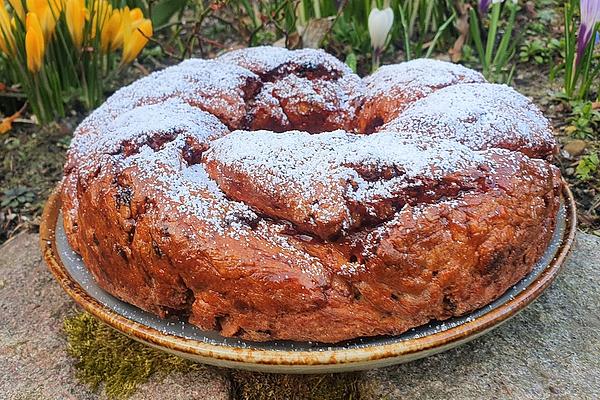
31, 166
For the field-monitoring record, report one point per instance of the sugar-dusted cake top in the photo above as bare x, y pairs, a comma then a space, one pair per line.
275, 195
432, 116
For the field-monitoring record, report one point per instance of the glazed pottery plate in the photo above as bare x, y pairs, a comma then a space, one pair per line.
209, 347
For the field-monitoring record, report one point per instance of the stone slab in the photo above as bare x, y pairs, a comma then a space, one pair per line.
33, 359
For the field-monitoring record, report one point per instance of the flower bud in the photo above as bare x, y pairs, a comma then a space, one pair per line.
75, 17
136, 31
590, 16
34, 42
7, 39
17, 5
380, 24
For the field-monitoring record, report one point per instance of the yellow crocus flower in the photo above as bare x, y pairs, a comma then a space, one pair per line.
7, 40
111, 36
34, 42
135, 39
100, 14
48, 12
136, 14
17, 5
135, 31
75, 13
129, 21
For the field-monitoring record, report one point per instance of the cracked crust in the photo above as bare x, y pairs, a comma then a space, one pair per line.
169, 214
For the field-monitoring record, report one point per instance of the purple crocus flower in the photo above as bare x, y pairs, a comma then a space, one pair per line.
484, 6
590, 16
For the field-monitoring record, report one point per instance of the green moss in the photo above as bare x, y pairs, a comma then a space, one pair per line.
105, 357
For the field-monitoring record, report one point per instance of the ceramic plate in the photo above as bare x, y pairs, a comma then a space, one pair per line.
209, 347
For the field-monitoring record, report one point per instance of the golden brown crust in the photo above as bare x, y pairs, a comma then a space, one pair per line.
167, 218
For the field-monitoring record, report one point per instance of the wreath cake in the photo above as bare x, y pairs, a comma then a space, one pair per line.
272, 194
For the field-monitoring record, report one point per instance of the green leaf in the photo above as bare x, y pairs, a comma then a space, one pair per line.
351, 61
476, 36
587, 166
163, 11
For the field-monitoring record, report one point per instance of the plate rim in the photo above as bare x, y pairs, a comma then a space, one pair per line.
268, 359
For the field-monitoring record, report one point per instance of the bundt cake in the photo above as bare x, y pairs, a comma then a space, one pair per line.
272, 194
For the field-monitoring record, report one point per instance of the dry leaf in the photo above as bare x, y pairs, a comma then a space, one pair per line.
575, 147
462, 26
292, 41
314, 33
6, 123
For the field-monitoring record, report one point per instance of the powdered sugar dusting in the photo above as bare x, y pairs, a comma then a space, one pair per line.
264, 59
417, 78
173, 118
214, 86
192, 79
299, 155
259, 59
480, 116
144, 130
323, 173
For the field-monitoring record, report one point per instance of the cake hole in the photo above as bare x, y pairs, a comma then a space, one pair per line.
192, 151
546, 201
373, 125
371, 173
240, 332
241, 305
335, 236
124, 196
175, 314
157, 249
356, 293
156, 142
250, 220
495, 264
121, 252
94, 174
449, 304
131, 234
251, 88
190, 297
219, 321
356, 259
394, 296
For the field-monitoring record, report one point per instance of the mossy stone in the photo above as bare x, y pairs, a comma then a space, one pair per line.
106, 358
